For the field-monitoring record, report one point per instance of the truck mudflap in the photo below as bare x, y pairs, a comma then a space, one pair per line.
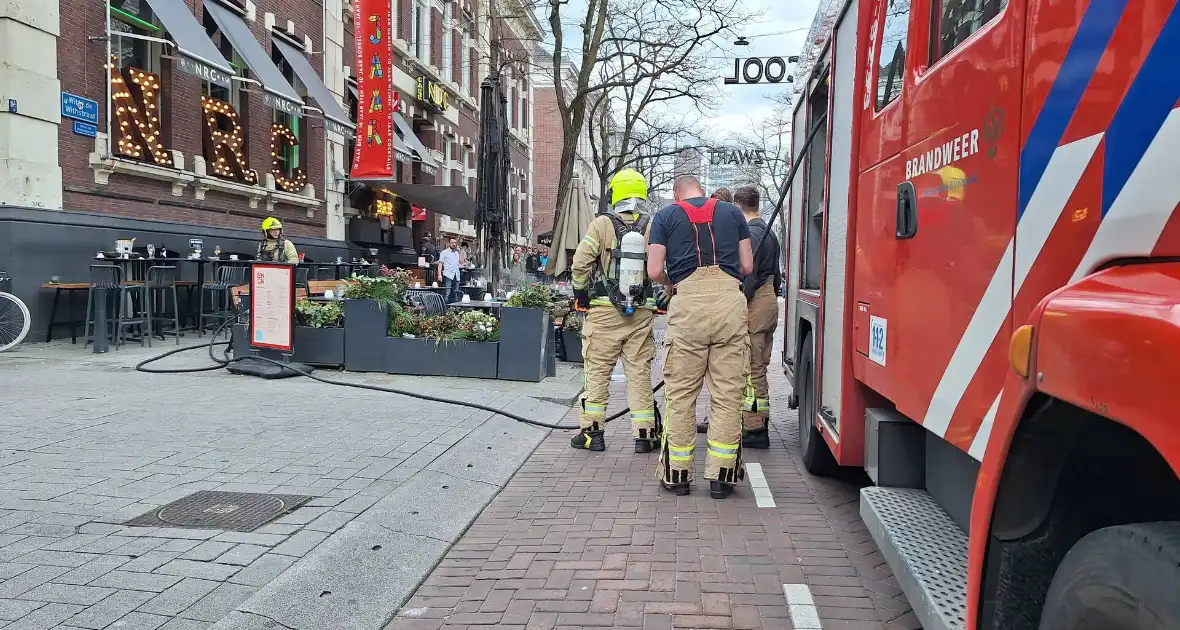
925, 549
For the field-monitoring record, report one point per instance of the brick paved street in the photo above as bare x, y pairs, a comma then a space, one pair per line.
580, 539
86, 443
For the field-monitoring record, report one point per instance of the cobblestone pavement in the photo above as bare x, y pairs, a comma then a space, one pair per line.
86, 443
580, 539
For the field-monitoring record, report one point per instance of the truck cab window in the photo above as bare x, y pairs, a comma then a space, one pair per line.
891, 53
956, 20
814, 197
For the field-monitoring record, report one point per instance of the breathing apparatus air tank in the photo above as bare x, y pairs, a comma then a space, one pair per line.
632, 272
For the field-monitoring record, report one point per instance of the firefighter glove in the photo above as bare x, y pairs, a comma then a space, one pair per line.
581, 299
662, 296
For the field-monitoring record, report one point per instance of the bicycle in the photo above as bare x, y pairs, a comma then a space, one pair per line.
15, 319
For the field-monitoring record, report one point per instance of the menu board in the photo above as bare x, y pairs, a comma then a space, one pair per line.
272, 306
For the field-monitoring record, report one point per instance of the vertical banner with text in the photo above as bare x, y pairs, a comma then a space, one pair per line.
376, 98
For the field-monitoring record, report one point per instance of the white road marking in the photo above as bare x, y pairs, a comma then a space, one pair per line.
762, 495
804, 614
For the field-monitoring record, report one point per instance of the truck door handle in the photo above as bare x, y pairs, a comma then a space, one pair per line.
907, 211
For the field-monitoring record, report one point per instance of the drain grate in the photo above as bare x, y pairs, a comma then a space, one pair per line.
234, 511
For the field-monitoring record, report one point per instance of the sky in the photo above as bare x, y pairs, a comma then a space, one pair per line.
747, 102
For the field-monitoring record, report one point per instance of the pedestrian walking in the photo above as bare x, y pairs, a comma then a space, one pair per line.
450, 260
702, 248
620, 305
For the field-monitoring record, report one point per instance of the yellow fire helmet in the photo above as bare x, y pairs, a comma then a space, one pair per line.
627, 184
271, 223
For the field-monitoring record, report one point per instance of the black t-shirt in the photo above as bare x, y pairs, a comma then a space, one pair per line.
532, 263
670, 227
766, 257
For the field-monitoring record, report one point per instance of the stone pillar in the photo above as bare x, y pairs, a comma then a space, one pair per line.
30, 105
335, 167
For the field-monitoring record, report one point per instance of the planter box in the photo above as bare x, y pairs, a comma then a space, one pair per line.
365, 329
524, 334
319, 346
427, 357
314, 346
572, 340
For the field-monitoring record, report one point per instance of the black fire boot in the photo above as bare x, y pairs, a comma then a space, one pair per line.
678, 484
647, 441
727, 478
590, 439
759, 438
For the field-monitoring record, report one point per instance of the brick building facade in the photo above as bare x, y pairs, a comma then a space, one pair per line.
226, 112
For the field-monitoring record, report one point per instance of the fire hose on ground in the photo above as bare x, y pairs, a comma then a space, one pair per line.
224, 362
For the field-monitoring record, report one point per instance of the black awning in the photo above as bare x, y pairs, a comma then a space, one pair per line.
545, 239
198, 55
452, 201
406, 133
277, 93
334, 114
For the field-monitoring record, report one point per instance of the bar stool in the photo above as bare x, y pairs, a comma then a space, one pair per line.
301, 279
227, 277
160, 282
110, 279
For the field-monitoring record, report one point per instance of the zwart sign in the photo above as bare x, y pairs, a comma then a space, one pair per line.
752, 70
737, 157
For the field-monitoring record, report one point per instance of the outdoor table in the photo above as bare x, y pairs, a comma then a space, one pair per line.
477, 304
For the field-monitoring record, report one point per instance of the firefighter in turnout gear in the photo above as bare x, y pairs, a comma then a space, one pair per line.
702, 248
610, 283
762, 307
274, 247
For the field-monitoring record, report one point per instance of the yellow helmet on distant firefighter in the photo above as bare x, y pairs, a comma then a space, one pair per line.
627, 184
271, 223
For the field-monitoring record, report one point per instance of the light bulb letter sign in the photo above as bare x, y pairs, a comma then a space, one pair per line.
753, 70
137, 116
282, 139
224, 150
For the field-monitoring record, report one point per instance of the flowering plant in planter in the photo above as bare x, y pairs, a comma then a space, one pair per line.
318, 314
574, 321
470, 326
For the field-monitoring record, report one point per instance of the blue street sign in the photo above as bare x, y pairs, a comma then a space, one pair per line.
85, 129
79, 108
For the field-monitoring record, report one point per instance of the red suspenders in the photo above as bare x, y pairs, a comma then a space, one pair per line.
696, 217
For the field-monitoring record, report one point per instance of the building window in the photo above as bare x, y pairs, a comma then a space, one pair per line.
421, 32
891, 54
956, 20
220, 92
448, 61
134, 17
290, 159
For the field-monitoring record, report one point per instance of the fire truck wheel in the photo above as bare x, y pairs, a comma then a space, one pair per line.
1118, 578
817, 459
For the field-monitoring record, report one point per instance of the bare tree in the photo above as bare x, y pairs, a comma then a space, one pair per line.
770, 136
636, 57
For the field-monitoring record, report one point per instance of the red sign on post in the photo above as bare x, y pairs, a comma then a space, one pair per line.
272, 306
376, 98
418, 213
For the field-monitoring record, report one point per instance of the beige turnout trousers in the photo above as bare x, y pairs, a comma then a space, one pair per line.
607, 336
707, 340
762, 311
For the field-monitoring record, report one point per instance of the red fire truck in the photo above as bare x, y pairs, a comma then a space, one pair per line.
983, 307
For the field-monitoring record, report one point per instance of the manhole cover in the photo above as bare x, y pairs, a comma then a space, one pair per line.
235, 511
